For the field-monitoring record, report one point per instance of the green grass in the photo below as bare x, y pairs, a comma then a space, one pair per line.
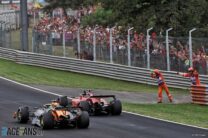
183, 113
37, 75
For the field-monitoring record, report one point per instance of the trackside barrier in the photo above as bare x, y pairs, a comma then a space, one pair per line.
199, 94
108, 70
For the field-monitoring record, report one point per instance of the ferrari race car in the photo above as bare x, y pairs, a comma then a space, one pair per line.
97, 104
58, 113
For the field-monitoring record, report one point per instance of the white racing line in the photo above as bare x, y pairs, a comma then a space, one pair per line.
52, 93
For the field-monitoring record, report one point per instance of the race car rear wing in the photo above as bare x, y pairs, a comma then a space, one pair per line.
104, 96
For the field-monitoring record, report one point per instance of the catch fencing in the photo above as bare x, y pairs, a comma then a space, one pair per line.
115, 48
9, 19
9, 29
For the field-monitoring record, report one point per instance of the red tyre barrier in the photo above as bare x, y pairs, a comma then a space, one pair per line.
199, 94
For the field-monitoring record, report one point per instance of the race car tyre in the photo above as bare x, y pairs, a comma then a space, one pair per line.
23, 114
63, 101
83, 120
116, 107
47, 121
85, 106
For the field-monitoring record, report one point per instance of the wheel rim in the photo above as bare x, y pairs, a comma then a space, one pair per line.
41, 121
19, 115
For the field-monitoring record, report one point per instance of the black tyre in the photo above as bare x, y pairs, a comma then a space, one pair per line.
47, 121
63, 101
85, 106
116, 107
83, 120
23, 114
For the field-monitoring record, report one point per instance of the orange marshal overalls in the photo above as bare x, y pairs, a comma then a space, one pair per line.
193, 77
162, 85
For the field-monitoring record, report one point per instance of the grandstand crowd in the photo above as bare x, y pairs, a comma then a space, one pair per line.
179, 53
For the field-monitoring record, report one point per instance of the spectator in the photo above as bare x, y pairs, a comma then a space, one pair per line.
179, 54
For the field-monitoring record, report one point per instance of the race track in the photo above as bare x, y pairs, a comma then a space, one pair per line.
125, 126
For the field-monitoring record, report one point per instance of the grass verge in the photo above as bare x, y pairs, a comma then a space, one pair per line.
37, 75
183, 113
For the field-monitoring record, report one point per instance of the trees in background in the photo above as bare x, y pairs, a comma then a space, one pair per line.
142, 14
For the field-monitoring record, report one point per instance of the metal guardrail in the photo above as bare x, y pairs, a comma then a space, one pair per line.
114, 71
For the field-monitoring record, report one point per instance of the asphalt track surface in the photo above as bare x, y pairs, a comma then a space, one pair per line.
125, 126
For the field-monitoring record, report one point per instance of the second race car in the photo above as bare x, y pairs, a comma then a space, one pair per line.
97, 104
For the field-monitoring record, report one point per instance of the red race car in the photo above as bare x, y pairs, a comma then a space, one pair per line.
97, 104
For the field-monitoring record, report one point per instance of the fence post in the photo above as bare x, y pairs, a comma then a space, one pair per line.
190, 47
1, 38
64, 44
111, 45
148, 48
94, 44
0, 33
4, 35
51, 43
10, 37
129, 46
24, 25
18, 19
78, 42
1, 25
33, 40
34, 17
167, 49
111, 39
15, 20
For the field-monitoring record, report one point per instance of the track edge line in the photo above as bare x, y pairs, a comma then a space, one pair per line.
146, 116
164, 120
